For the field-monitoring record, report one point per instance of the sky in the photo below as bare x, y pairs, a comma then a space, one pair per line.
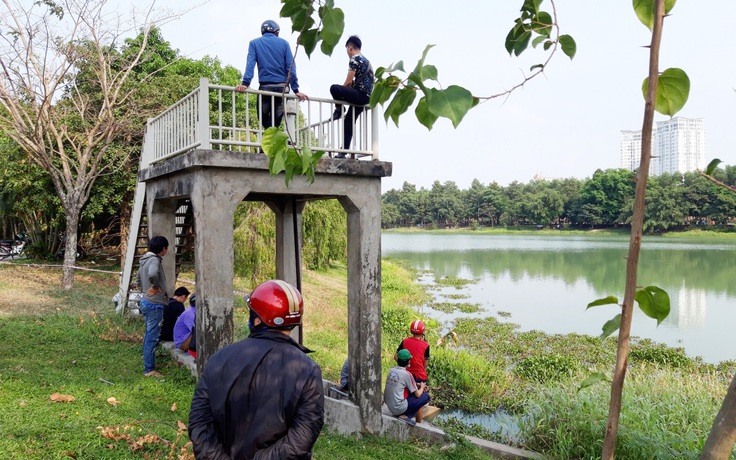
565, 123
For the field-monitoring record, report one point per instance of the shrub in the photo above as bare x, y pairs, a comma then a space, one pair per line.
662, 416
661, 354
546, 368
395, 323
466, 380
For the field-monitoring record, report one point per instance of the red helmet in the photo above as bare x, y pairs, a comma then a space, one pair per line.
277, 303
417, 327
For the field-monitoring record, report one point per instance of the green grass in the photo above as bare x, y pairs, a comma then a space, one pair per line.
664, 416
91, 360
71, 343
332, 446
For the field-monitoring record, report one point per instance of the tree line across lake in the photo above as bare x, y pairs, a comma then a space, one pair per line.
606, 199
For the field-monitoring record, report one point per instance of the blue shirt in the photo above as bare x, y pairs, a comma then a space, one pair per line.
274, 59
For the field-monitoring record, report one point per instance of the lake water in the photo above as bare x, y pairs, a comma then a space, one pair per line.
545, 282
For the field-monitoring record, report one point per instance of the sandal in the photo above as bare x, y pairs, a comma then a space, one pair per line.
407, 420
153, 374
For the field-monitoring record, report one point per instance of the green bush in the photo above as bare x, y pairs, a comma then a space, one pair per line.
546, 368
662, 416
395, 323
657, 353
254, 239
466, 380
324, 238
325, 234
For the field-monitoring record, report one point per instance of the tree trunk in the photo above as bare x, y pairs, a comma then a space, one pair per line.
125, 217
70, 245
632, 261
722, 436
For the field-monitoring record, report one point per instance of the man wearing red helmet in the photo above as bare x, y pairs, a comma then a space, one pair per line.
419, 350
263, 396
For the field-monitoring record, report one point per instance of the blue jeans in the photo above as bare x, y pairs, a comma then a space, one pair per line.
414, 404
154, 315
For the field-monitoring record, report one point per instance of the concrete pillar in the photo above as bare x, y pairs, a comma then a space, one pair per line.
214, 198
162, 221
364, 302
289, 245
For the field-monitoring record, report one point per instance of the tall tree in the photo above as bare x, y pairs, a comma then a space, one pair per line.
62, 87
607, 194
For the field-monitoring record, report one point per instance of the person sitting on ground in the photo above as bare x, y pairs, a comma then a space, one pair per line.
402, 396
184, 335
345, 377
172, 312
419, 349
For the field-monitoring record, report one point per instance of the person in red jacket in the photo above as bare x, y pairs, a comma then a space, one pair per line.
419, 349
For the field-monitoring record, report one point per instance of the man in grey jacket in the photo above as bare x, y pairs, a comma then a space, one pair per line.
152, 284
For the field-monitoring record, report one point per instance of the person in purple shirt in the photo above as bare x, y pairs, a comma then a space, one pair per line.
184, 335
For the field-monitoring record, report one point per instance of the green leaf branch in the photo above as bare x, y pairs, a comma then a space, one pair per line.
319, 22
533, 26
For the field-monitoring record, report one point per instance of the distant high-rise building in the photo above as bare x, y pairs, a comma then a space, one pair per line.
678, 145
630, 149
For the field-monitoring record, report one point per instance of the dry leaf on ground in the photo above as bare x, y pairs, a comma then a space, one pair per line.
57, 397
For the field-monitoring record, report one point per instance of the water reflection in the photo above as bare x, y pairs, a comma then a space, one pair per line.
546, 282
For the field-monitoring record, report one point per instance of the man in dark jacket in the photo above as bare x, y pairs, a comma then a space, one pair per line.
261, 397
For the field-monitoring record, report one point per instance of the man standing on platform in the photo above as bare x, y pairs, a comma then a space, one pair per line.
276, 72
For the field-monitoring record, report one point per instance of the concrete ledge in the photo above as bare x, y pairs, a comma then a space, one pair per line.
342, 416
198, 158
181, 356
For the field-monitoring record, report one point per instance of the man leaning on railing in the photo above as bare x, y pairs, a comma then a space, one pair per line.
275, 62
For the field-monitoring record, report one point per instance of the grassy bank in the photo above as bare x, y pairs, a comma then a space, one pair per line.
70, 344
71, 375
690, 232
521, 230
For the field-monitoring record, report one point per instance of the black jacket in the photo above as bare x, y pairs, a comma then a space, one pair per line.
262, 397
171, 313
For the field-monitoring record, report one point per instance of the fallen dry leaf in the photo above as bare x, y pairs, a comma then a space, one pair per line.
173, 407
181, 425
57, 397
112, 401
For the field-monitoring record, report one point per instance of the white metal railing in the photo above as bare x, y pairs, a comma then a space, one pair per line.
232, 123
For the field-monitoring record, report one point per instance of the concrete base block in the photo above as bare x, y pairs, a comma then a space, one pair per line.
181, 356
342, 416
